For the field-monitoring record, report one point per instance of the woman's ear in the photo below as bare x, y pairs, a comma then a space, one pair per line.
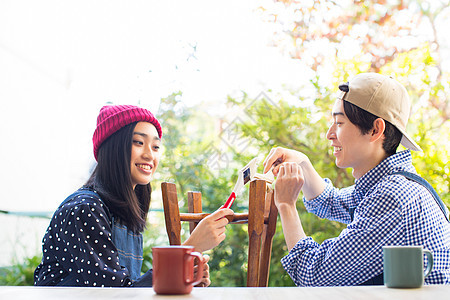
377, 130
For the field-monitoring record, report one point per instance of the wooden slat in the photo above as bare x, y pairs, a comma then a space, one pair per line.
267, 239
255, 229
197, 217
171, 212
194, 206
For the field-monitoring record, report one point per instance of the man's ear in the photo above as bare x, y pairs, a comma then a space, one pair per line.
377, 130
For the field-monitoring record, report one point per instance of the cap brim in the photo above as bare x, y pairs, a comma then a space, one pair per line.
407, 142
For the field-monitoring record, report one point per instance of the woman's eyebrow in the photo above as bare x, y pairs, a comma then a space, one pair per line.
334, 114
146, 135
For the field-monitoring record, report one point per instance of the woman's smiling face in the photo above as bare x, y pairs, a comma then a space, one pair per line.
144, 153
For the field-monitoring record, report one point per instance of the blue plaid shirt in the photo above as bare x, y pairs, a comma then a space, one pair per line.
388, 210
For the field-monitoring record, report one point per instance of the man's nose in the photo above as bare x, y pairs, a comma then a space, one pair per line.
331, 133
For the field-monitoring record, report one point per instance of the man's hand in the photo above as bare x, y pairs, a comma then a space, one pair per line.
288, 184
279, 155
312, 184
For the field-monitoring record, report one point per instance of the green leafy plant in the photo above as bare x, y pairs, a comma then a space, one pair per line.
20, 273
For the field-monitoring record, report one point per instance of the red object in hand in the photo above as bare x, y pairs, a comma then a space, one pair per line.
229, 201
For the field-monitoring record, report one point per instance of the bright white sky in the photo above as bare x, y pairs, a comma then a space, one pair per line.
60, 61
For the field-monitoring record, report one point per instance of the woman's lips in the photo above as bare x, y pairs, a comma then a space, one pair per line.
145, 168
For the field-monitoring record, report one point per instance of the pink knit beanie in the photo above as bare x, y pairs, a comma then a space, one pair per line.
113, 117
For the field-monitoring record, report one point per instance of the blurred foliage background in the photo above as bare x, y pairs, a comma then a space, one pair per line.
335, 40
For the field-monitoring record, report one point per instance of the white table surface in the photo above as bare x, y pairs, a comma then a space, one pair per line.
434, 292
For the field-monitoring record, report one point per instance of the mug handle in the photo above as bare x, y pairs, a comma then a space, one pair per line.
199, 277
430, 263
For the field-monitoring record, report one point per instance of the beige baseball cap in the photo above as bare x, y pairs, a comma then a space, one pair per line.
382, 96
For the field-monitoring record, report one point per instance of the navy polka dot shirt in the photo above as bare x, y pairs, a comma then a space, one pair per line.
78, 249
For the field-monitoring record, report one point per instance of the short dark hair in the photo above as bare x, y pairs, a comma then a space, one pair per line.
111, 178
364, 121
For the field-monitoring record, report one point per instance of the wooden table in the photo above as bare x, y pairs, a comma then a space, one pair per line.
434, 292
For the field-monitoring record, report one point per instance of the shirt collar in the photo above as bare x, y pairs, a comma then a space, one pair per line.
400, 160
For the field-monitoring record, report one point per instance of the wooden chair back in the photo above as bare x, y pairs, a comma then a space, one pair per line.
261, 218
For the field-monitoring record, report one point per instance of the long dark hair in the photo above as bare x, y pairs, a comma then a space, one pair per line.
111, 178
364, 121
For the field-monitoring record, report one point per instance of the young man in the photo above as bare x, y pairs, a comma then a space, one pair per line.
381, 208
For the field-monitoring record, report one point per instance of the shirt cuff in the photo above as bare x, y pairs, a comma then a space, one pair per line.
145, 280
298, 258
292, 258
322, 197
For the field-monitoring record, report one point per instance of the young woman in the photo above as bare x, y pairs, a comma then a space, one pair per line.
95, 235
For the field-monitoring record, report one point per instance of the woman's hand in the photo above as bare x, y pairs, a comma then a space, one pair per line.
210, 231
205, 279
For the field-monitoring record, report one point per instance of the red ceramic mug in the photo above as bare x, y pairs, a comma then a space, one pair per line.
173, 269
